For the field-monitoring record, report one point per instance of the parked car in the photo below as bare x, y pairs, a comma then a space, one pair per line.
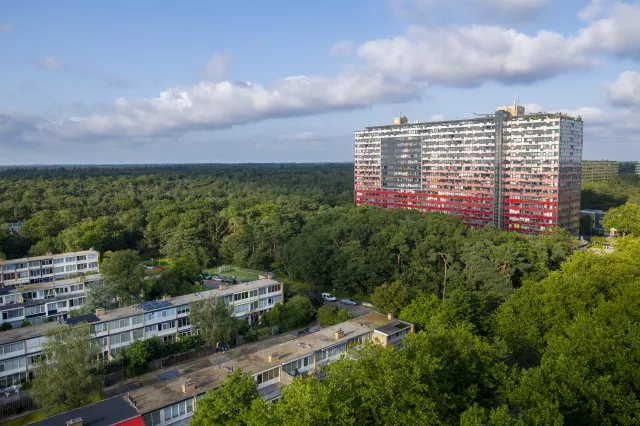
205, 275
367, 305
348, 301
216, 278
145, 267
328, 297
158, 268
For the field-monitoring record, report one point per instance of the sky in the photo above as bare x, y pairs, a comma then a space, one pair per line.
110, 82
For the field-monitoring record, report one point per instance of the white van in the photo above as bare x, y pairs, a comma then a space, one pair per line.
328, 297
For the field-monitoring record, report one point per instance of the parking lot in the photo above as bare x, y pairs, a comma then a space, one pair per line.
358, 310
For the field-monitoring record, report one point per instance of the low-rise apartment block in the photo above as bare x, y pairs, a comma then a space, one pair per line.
118, 328
44, 269
600, 171
44, 302
172, 402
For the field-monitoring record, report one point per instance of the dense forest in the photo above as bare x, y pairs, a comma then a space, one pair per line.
296, 219
512, 329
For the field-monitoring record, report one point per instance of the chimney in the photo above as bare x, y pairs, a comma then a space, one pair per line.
390, 316
100, 311
338, 334
274, 356
188, 386
75, 422
166, 297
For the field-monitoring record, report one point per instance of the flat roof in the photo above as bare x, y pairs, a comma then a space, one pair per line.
48, 256
130, 311
28, 332
164, 393
56, 283
393, 327
102, 413
89, 318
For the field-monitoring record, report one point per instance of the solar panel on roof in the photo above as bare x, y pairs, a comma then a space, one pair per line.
156, 304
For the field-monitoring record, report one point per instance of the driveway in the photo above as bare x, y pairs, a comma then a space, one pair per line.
357, 310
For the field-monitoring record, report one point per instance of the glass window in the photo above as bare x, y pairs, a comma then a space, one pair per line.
189, 405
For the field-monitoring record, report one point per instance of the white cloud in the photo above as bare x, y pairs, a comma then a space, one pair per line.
595, 9
391, 70
625, 91
489, 8
470, 56
5, 28
217, 66
48, 63
437, 117
209, 105
618, 33
343, 48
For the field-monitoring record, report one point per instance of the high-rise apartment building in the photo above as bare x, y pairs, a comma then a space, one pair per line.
518, 172
600, 171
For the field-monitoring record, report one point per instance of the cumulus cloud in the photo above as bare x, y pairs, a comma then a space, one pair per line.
470, 56
625, 91
343, 48
390, 70
211, 105
595, 9
5, 28
217, 66
618, 33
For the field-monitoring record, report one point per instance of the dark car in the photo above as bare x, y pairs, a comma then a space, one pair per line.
348, 301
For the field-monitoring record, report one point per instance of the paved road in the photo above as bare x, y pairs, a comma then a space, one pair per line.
357, 310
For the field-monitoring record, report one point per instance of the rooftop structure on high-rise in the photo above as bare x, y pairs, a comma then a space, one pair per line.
518, 172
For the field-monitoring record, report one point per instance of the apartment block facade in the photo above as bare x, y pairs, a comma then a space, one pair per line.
600, 171
48, 268
517, 172
173, 402
44, 302
118, 328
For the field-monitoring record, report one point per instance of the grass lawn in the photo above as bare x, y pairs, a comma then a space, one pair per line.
241, 275
161, 261
29, 418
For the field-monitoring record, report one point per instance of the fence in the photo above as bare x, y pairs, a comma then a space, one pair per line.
17, 406
171, 360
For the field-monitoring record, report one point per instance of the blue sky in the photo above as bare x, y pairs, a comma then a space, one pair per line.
255, 81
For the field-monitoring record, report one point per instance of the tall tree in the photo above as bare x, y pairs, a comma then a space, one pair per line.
625, 219
391, 297
63, 378
229, 403
121, 271
214, 320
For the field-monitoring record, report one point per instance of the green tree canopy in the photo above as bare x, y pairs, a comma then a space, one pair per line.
625, 219
64, 381
229, 404
297, 311
121, 271
391, 298
214, 320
